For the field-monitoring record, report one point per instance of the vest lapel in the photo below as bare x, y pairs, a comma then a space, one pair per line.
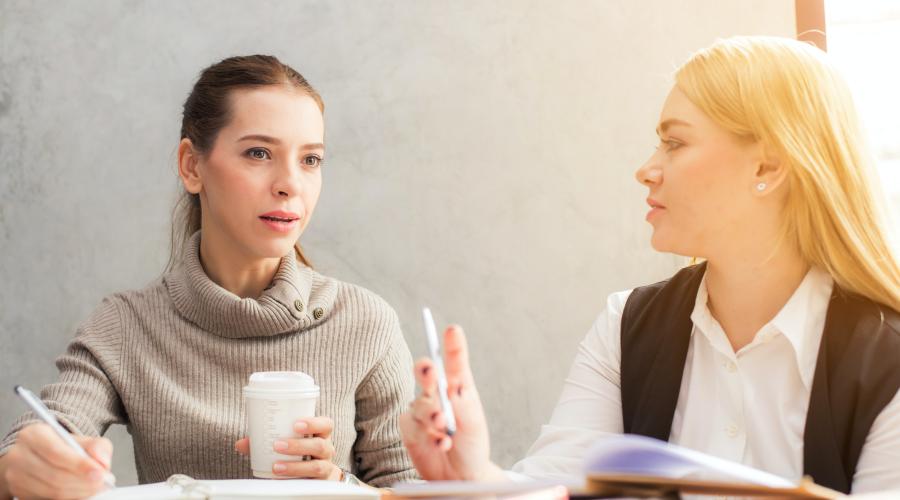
841, 409
655, 339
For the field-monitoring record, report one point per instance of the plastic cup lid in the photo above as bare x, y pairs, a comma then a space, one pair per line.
281, 382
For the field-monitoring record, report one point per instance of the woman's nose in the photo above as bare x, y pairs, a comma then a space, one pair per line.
649, 173
287, 183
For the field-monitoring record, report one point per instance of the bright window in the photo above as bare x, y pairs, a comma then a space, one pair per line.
864, 40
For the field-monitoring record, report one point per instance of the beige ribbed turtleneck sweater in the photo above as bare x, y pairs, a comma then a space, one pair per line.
169, 361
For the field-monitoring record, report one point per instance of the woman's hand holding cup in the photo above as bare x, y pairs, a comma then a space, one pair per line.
286, 439
315, 446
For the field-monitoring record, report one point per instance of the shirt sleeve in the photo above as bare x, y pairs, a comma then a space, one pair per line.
879, 463
590, 405
379, 455
83, 398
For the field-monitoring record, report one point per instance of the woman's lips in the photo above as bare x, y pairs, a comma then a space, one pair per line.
655, 208
654, 211
279, 223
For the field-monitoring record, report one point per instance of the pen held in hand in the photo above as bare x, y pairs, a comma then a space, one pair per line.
437, 358
37, 406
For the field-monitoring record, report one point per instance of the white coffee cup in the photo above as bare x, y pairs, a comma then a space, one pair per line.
275, 401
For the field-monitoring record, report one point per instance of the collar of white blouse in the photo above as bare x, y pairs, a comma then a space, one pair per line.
801, 321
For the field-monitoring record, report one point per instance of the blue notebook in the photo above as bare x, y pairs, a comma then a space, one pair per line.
630, 464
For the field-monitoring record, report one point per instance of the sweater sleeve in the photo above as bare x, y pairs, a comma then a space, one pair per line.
380, 457
83, 398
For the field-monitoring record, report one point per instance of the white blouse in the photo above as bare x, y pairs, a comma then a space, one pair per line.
748, 407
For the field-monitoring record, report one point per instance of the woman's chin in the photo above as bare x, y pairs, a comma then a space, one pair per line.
275, 248
659, 242
664, 243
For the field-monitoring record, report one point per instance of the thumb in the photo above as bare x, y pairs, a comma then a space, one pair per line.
99, 448
242, 446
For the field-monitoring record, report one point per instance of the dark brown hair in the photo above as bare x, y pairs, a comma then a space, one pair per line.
206, 112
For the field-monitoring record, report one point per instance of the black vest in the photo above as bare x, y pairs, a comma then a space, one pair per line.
857, 371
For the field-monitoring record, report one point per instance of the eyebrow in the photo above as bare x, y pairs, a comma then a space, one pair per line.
668, 123
275, 141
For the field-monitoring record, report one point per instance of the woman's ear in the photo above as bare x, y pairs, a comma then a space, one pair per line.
770, 173
188, 162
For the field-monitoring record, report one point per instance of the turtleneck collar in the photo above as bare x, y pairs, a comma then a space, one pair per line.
287, 304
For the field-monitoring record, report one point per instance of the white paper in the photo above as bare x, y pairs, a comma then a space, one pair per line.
233, 489
640, 455
432, 489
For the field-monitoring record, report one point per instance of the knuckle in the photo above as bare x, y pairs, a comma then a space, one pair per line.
54, 455
87, 465
11, 475
57, 491
27, 433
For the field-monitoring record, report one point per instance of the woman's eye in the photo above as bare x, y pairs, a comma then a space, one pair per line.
668, 145
312, 161
258, 154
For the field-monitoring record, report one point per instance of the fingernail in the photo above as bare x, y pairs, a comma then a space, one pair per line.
279, 467
280, 445
300, 426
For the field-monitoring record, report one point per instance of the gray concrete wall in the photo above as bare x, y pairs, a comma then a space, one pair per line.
480, 160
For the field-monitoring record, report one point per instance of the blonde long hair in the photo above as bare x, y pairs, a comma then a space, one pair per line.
787, 95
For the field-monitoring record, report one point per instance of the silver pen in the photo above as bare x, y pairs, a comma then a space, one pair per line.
37, 406
435, 354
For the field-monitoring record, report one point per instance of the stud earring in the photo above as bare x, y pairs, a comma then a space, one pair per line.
761, 186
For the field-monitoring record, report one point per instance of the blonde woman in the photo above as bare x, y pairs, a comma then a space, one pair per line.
781, 349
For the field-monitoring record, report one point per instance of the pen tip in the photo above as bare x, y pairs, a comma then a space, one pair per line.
16, 388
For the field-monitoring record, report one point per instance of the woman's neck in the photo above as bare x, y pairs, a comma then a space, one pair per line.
747, 289
233, 270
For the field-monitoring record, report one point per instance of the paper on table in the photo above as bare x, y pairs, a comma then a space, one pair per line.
644, 456
234, 489
155, 491
526, 490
